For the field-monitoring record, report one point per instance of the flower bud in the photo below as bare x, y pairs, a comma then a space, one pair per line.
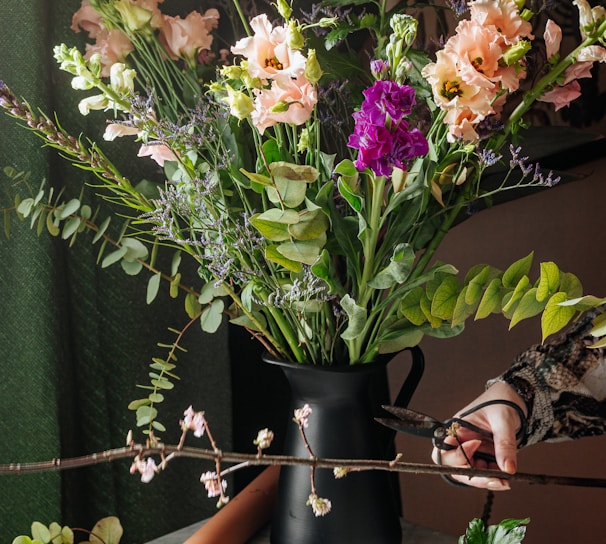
240, 104
313, 71
516, 52
404, 27
284, 9
135, 17
295, 37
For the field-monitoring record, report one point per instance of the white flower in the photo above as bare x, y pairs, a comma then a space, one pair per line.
302, 415
320, 506
194, 421
146, 467
214, 485
264, 439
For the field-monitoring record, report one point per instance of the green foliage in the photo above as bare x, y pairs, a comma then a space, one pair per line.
509, 531
106, 531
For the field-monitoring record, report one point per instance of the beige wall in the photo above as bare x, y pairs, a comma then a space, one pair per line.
566, 225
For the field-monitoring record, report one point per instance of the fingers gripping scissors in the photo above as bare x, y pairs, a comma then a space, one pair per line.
419, 424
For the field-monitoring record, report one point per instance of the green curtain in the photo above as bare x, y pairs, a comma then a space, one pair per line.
75, 339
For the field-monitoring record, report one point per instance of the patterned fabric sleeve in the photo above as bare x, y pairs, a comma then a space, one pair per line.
563, 383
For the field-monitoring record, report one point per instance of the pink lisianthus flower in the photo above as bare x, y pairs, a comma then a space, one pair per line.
503, 16
158, 152
88, 19
288, 101
185, 38
112, 45
268, 53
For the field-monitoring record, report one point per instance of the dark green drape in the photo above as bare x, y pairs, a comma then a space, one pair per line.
75, 339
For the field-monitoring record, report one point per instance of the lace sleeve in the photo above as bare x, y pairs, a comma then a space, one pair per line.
563, 383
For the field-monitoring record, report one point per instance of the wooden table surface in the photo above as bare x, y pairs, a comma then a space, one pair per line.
411, 534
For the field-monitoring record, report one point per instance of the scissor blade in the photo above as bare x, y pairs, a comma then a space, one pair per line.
409, 421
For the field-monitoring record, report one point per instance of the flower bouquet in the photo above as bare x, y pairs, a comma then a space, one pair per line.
312, 168
312, 203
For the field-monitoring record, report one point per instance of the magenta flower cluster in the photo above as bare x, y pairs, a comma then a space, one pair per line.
381, 134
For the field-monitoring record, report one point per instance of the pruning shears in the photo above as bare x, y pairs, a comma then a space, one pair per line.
419, 424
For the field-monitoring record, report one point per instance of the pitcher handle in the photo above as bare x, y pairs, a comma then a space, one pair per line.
414, 377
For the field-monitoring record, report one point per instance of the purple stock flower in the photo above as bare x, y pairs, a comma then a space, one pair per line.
381, 135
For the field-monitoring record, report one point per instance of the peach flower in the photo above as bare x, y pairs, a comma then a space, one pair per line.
268, 53
290, 101
477, 50
553, 38
112, 45
88, 19
185, 38
451, 91
504, 16
117, 130
158, 152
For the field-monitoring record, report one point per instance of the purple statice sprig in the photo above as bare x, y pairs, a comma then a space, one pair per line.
381, 134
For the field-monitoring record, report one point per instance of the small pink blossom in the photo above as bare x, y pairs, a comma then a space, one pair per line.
302, 415
194, 421
88, 19
320, 506
186, 38
146, 467
288, 101
553, 38
562, 96
268, 53
214, 485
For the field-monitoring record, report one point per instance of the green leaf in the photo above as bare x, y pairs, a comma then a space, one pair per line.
272, 254
353, 199
475, 286
357, 317
113, 257
599, 325
513, 275
23, 539
145, 414
517, 294
555, 316
462, 309
312, 224
398, 269
132, 268
175, 262
212, 316
445, 298
491, 300
40, 532
244, 321
192, 305
136, 404
528, 307
107, 531
162, 383
69, 208
395, 341
570, 284
71, 226
153, 286
549, 280
302, 251
156, 398
271, 230
209, 291
410, 306
102, 228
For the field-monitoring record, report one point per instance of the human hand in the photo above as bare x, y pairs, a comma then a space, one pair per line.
503, 422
